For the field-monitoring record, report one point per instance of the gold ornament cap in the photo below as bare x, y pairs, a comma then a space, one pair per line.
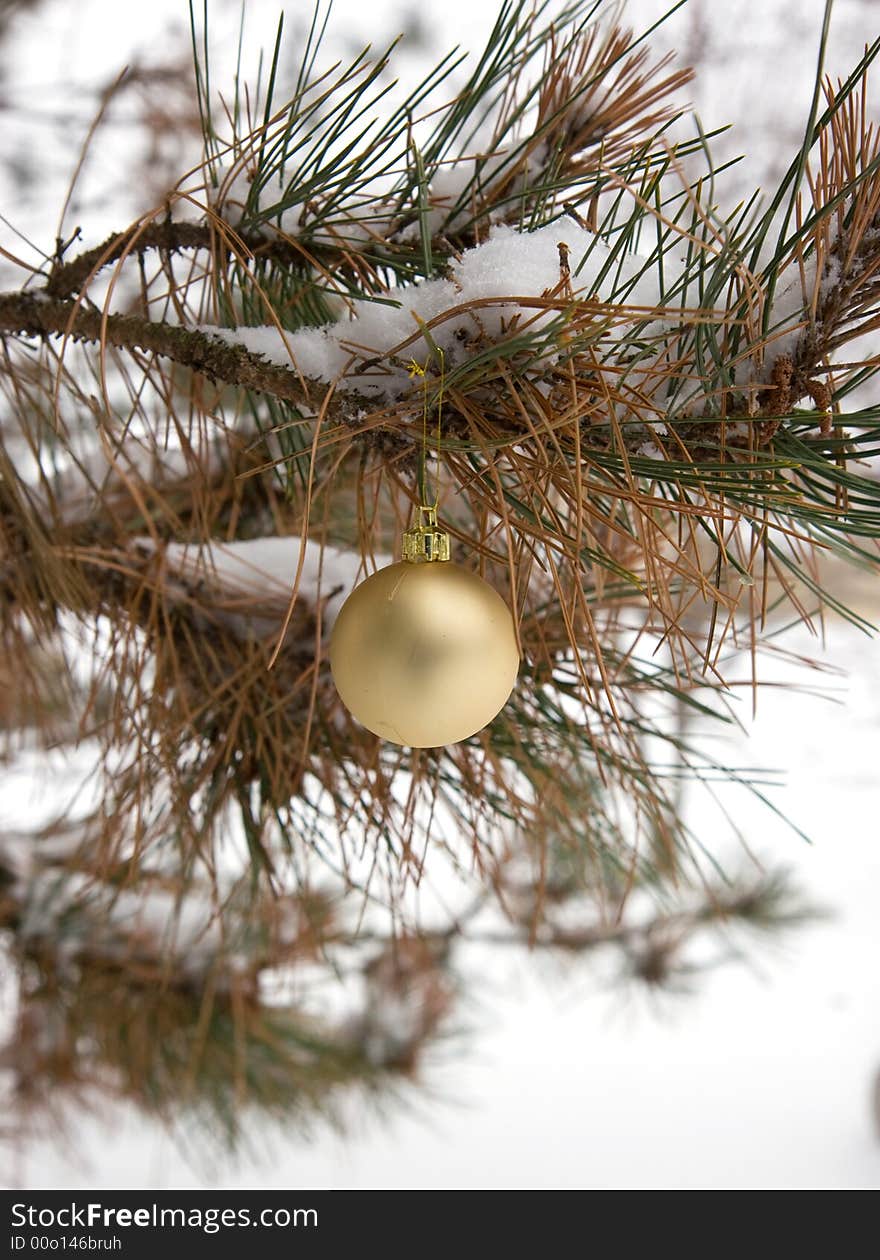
425, 542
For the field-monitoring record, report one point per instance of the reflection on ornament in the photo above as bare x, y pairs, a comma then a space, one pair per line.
423, 652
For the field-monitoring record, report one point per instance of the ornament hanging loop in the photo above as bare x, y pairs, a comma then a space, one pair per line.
425, 541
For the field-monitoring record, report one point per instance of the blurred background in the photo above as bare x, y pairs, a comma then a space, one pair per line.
756, 1063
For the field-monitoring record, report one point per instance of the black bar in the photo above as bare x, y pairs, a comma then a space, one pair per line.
261, 1225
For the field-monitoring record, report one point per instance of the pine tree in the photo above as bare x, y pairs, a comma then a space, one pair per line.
650, 415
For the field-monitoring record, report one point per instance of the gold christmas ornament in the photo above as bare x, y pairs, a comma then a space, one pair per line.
423, 652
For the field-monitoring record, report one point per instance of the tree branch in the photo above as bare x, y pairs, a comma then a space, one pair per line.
33, 315
68, 278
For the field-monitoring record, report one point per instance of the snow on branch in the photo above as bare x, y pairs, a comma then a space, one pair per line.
488, 293
248, 577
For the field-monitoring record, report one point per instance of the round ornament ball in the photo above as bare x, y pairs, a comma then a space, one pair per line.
424, 654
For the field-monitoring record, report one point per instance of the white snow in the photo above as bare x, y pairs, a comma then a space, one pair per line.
650, 450
263, 570
787, 312
510, 265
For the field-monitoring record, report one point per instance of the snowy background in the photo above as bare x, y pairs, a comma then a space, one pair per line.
765, 1075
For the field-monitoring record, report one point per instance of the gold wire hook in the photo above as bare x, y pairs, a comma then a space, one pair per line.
425, 541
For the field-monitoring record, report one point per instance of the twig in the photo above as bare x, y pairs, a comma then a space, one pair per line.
32, 315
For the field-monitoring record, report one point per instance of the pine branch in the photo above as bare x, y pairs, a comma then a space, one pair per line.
32, 315
169, 237
605, 460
